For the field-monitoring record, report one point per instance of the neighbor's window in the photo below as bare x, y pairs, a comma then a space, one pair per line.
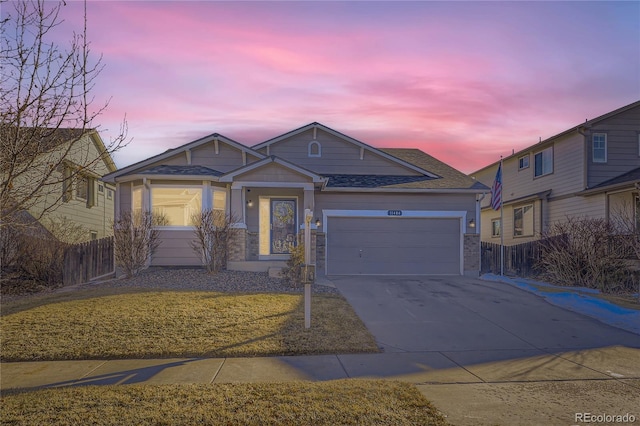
599, 147
109, 194
176, 205
543, 162
523, 162
94, 235
82, 187
315, 150
495, 227
523, 221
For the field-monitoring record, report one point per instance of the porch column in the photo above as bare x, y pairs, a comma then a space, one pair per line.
237, 205
308, 200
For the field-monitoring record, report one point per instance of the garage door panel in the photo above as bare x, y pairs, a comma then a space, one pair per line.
393, 245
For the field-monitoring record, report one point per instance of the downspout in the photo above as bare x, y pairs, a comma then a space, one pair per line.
585, 156
478, 230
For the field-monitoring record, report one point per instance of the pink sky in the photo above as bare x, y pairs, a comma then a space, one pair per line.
464, 81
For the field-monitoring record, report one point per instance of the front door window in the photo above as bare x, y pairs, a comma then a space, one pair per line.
283, 225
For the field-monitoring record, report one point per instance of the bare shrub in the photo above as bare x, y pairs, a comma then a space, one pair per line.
582, 252
32, 255
213, 231
626, 220
135, 240
293, 272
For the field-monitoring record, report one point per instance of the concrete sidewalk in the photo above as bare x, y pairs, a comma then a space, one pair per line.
612, 363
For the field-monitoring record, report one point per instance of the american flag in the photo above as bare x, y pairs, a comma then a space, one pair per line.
496, 190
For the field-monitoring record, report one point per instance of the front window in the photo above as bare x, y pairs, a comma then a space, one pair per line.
543, 162
599, 147
219, 200
523, 162
176, 205
82, 187
136, 201
523, 221
495, 228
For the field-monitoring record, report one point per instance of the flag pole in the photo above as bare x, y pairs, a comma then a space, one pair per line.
501, 229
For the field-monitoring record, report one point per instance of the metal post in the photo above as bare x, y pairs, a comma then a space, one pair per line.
308, 215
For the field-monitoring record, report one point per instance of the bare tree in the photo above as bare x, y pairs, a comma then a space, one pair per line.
136, 238
213, 233
46, 108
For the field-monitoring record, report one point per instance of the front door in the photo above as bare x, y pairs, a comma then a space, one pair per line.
283, 225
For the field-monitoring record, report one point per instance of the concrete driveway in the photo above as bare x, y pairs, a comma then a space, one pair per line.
472, 318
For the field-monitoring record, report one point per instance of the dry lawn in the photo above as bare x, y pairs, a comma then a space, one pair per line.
180, 324
344, 402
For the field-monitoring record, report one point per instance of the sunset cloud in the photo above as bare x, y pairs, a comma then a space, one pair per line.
464, 81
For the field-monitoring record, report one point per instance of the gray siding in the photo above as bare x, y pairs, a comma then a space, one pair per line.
622, 146
175, 250
397, 201
338, 156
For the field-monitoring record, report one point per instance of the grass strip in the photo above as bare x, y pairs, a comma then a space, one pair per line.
342, 402
182, 324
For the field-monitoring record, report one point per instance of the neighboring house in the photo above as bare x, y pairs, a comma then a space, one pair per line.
590, 170
375, 211
77, 195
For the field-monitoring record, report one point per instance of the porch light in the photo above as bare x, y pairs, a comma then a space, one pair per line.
472, 223
250, 203
317, 222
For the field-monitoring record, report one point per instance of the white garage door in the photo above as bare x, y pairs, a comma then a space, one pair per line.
393, 246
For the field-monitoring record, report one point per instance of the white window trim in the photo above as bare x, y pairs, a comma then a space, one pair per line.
312, 144
406, 214
492, 228
552, 162
533, 227
593, 148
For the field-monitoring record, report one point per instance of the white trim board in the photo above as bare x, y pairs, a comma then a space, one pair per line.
406, 214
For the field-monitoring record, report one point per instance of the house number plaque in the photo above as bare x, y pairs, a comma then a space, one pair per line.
394, 212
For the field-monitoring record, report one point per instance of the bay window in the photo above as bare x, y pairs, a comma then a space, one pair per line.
177, 205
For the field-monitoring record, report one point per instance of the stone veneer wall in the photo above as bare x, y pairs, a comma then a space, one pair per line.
321, 241
238, 246
253, 248
472, 254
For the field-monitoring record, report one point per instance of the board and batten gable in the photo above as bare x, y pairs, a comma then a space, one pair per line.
623, 146
336, 155
226, 159
272, 172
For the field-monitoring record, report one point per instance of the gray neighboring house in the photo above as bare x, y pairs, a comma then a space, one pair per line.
590, 170
375, 211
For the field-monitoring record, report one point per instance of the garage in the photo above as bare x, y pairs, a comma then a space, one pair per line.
393, 245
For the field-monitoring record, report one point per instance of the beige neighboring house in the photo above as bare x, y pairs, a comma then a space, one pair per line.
590, 170
375, 211
83, 198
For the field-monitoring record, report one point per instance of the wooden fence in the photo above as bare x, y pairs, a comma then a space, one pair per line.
519, 259
86, 261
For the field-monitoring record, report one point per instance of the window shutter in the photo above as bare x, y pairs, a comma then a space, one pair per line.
67, 184
91, 192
